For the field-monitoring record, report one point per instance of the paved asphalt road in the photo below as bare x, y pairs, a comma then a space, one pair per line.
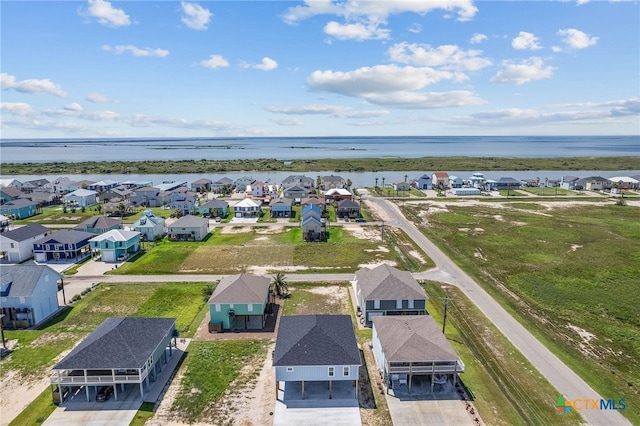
568, 383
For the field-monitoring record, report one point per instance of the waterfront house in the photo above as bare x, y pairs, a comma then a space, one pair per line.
81, 197
130, 352
115, 194
42, 198
593, 183
103, 185
222, 186
318, 350
330, 182
201, 185
115, 245
239, 302
10, 182
28, 295
188, 228
569, 182
214, 208
98, 224
17, 245
19, 209
455, 182
242, 183
624, 182
424, 182
440, 180
401, 186
34, 185
149, 226
79, 184
281, 207
299, 180
506, 183
65, 246
247, 208
410, 349
385, 290
477, 180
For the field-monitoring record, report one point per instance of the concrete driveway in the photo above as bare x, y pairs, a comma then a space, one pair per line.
316, 408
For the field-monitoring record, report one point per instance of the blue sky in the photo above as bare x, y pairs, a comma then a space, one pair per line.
85, 69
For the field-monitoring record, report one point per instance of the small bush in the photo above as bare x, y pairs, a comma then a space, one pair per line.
76, 298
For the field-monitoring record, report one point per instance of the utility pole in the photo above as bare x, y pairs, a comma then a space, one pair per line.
444, 317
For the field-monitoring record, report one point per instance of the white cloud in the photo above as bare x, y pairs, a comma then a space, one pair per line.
354, 9
289, 121
215, 61
195, 16
581, 2
447, 56
357, 31
107, 14
392, 86
478, 38
363, 19
332, 110
16, 108
136, 51
97, 98
524, 72
32, 86
74, 106
576, 39
525, 41
415, 28
556, 49
267, 64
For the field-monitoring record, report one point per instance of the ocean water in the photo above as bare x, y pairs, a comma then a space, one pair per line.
72, 150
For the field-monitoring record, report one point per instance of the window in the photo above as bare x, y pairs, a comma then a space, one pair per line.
217, 305
289, 369
410, 303
399, 304
376, 304
332, 371
250, 307
345, 371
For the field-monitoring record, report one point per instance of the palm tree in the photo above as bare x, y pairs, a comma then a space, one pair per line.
376, 182
349, 183
405, 177
279, 284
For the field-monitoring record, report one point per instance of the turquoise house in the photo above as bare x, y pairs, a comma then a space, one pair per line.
19, 209
239, 302
116, 245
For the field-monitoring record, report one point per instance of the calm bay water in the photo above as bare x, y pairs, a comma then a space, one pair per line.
46, 150
40, 151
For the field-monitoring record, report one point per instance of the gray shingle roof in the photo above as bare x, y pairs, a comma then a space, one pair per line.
23, 279
25, 232
98, 222
241, 288
215, 204
412, 339
190, 221
66, 236
316, 340
118, 343
385, 282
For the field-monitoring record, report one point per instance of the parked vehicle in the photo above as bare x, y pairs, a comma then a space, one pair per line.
361, 220
104, 393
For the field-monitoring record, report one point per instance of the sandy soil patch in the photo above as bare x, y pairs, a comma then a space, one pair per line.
376, 264
361, 233
585, 344
575, 247
416, 255
235, 229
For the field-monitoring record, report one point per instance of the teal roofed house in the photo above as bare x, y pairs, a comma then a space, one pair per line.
215, 208
239, 302
116, 245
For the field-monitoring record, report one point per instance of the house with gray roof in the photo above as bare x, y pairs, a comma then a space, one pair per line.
10, 193
149, 226
299, 180
348, 208
508, 183
317, 350
65, 246
412, 351
17, 245
98, 224
125, 351
81, 197
19, 209
214, 208
201, 185
239, 302
385, 290
28, 295
223, 185
332, 181
188, 228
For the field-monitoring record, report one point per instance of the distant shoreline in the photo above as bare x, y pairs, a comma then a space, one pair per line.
430, 164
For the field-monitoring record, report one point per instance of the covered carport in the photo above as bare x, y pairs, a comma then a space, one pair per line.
411, 351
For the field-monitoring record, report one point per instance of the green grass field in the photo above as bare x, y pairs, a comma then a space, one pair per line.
550, 192
230, 253
569, 274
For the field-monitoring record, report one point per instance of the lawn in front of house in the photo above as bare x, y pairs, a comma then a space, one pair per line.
277, 250
545, 191
36, 349
568, 273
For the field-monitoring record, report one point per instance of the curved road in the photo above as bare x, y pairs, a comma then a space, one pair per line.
568, 383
